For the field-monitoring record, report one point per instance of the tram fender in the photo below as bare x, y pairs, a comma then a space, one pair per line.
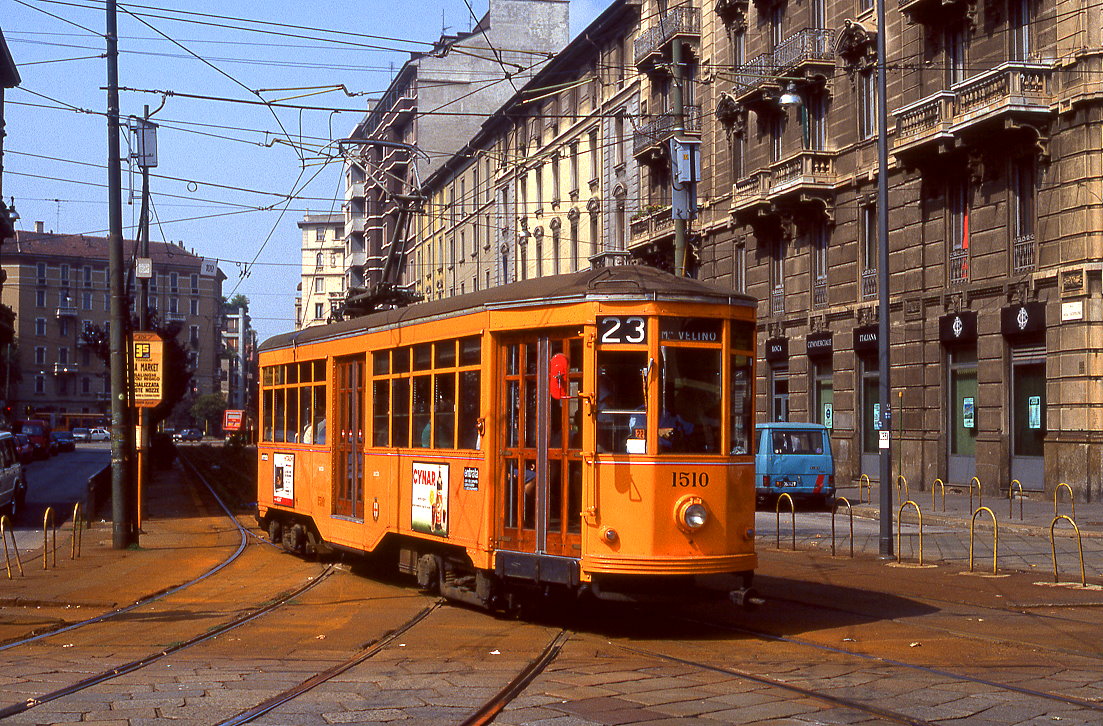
537, 568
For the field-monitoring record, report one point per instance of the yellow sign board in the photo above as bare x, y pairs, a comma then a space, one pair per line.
147, 363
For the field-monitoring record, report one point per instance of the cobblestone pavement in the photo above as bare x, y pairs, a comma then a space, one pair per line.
840, 640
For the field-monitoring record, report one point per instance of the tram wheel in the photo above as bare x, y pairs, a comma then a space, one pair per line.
275, 531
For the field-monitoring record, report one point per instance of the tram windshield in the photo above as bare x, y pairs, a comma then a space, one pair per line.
621, 401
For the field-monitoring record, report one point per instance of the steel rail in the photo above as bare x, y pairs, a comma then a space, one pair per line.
1044, 695
490, 710
18, 708
242, 543
884, 713
318, 679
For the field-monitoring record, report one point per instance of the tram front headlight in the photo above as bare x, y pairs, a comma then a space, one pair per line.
691, 514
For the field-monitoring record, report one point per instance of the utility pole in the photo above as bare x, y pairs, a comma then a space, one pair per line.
885, 434
680, 221
121, 532
146, 146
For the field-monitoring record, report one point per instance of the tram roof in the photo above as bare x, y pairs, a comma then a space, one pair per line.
620, 282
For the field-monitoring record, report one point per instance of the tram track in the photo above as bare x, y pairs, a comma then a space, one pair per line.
243, 542
864, 706
142, 662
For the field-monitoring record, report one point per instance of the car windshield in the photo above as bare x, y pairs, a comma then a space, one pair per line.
80, 431
33, 430
809, 441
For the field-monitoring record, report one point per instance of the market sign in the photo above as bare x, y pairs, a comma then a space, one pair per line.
147, 353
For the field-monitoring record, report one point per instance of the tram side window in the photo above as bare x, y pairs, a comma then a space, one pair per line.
294, 400
423, 397
621, 409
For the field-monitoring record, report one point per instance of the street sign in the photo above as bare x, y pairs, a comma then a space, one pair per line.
232, 419
147, 352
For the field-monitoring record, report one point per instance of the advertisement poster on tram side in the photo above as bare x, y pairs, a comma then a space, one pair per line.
283, 479
429, 500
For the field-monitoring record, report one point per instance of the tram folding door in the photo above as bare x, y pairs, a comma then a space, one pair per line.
541, 501
348, 441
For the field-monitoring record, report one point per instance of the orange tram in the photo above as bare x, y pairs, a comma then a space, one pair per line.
580, 433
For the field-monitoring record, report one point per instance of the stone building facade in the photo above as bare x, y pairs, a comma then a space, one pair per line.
322, 281
548, 185
436, 102
57, 284
995, 227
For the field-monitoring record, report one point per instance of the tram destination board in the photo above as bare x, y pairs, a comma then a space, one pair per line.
147, 363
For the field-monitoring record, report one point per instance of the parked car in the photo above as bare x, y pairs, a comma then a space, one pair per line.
24, 449
99, 434
63, 441
38, 432
794, 459
81, 434
188, 435
13, 482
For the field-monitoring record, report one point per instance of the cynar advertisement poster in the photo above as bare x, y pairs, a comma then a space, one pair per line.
429, 503
283, 479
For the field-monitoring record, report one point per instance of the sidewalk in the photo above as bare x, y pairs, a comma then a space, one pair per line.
183, 536
1024, 544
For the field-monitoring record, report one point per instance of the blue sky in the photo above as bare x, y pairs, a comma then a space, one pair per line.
233, 179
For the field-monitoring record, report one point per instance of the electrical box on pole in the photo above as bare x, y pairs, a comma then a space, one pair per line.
144, 133
685, 171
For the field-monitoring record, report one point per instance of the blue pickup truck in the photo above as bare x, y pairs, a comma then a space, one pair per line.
794, 458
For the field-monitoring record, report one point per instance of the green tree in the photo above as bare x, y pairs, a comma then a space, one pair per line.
207, 411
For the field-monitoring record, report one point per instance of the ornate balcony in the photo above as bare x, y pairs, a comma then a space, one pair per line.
807, 171
756, 80
807, 176
923, 123
652, 47
650, 227
66, 311
750, 192
1012, 89
807, 51
649, 139
1004, 97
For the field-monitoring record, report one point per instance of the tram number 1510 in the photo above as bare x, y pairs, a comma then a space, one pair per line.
687, 479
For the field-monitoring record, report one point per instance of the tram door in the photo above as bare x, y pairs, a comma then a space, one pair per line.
540, 506
348, 439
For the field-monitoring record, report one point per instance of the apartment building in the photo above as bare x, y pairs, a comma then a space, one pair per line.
547, 186
322, 285
57, 284
238, 364
995, 212
436, 102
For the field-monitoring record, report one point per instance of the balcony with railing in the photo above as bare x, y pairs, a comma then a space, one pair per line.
808, 49
869, 283
808, 170
1013, 90
924, 122
650, 226
356, 224
652, 136
66, 311
755, 79
175, 317
751, 191
959, 266
819, 292
652, 46
925, 11
1023, 254
65, 368
355, 190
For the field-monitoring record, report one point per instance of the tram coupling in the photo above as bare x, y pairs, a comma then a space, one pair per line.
746, 598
